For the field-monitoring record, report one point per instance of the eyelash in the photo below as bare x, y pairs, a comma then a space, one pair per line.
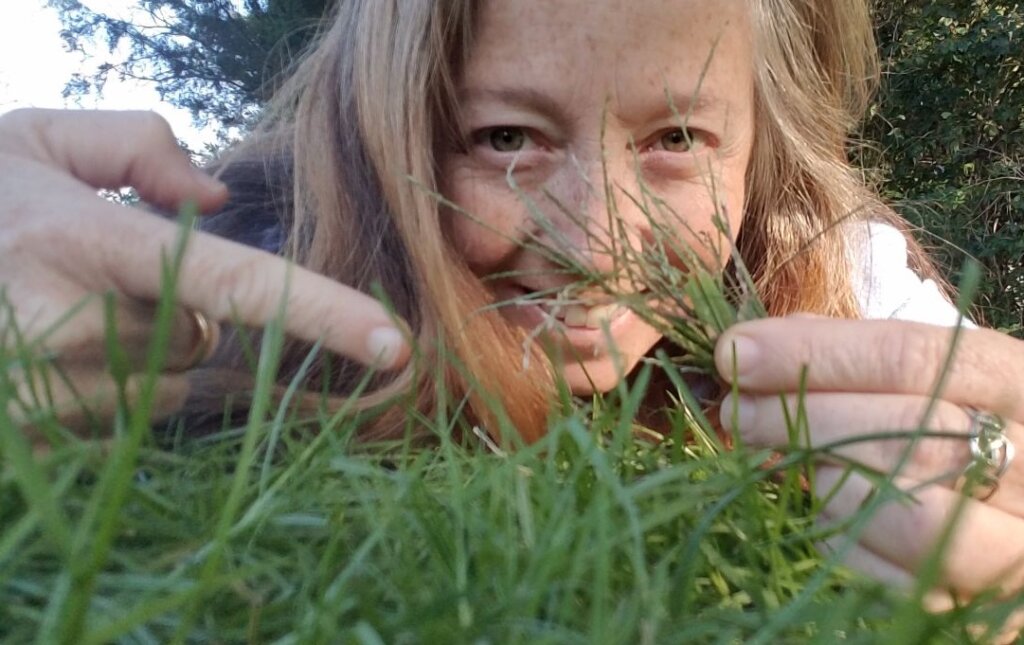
485, 137
695, 141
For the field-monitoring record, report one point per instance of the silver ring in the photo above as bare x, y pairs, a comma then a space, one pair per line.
991, 455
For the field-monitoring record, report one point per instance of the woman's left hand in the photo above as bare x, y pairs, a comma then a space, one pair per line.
866, 377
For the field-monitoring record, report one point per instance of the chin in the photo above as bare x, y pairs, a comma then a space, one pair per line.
596, 377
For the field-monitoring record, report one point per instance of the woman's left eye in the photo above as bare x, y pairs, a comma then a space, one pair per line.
503, 139
679, 140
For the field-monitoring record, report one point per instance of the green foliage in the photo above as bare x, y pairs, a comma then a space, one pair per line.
950, 134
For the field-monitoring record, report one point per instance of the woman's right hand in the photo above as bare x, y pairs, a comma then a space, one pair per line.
61, 243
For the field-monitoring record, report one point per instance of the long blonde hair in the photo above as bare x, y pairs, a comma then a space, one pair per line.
347, 156
817, 73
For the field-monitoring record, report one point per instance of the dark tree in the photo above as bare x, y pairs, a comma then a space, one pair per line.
217, 58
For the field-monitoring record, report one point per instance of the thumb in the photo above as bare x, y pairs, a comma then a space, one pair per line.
113, 149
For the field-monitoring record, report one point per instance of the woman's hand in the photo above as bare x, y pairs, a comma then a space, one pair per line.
60, 243
865, 377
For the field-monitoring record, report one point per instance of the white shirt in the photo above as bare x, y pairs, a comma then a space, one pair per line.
886, 287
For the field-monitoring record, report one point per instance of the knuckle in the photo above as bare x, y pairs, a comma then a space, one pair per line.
941, 454
984, 351
154, 128
240, 283
24, 131
13, 122
910, 349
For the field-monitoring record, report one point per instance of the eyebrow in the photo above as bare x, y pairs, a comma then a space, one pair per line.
525, 97
683, 103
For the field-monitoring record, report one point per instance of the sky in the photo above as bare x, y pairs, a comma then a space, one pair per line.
34, 66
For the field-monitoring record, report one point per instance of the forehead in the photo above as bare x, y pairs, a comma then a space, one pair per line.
578, 49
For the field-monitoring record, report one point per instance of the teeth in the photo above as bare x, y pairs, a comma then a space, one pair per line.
589, 317
576, 315
599, 316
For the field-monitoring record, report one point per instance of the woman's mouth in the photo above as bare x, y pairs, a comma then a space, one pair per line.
586, 322
580, 316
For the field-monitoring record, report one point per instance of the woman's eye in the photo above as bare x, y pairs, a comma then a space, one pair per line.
679, 140
507, 139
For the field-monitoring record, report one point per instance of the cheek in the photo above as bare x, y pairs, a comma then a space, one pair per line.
698, 208
486, 223
695, 231
735, 206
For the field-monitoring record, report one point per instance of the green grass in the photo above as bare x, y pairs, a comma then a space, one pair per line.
589, 536
270, 533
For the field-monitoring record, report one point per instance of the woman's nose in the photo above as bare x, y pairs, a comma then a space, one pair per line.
592, 215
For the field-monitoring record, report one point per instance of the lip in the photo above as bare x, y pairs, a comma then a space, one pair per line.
533, 317
539, 321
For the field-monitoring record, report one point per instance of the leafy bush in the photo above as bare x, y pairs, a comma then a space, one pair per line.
949, 129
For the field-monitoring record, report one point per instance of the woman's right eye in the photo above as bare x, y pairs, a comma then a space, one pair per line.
506, 139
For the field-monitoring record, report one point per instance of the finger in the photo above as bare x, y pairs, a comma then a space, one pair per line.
1008, 631
844, 423
986, 550
108, 149
230, 282
82, 338
875, 356
80, 396
224, 280
864, 561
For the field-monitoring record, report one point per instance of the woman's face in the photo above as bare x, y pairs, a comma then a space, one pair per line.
551, 90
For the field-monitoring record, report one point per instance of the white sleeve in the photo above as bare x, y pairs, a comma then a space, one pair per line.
886, 287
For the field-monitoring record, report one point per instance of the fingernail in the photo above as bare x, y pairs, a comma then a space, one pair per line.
385, 344
743, 357
737, 413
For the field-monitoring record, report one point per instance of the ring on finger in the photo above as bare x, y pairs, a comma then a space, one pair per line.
205, 335
992, 452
